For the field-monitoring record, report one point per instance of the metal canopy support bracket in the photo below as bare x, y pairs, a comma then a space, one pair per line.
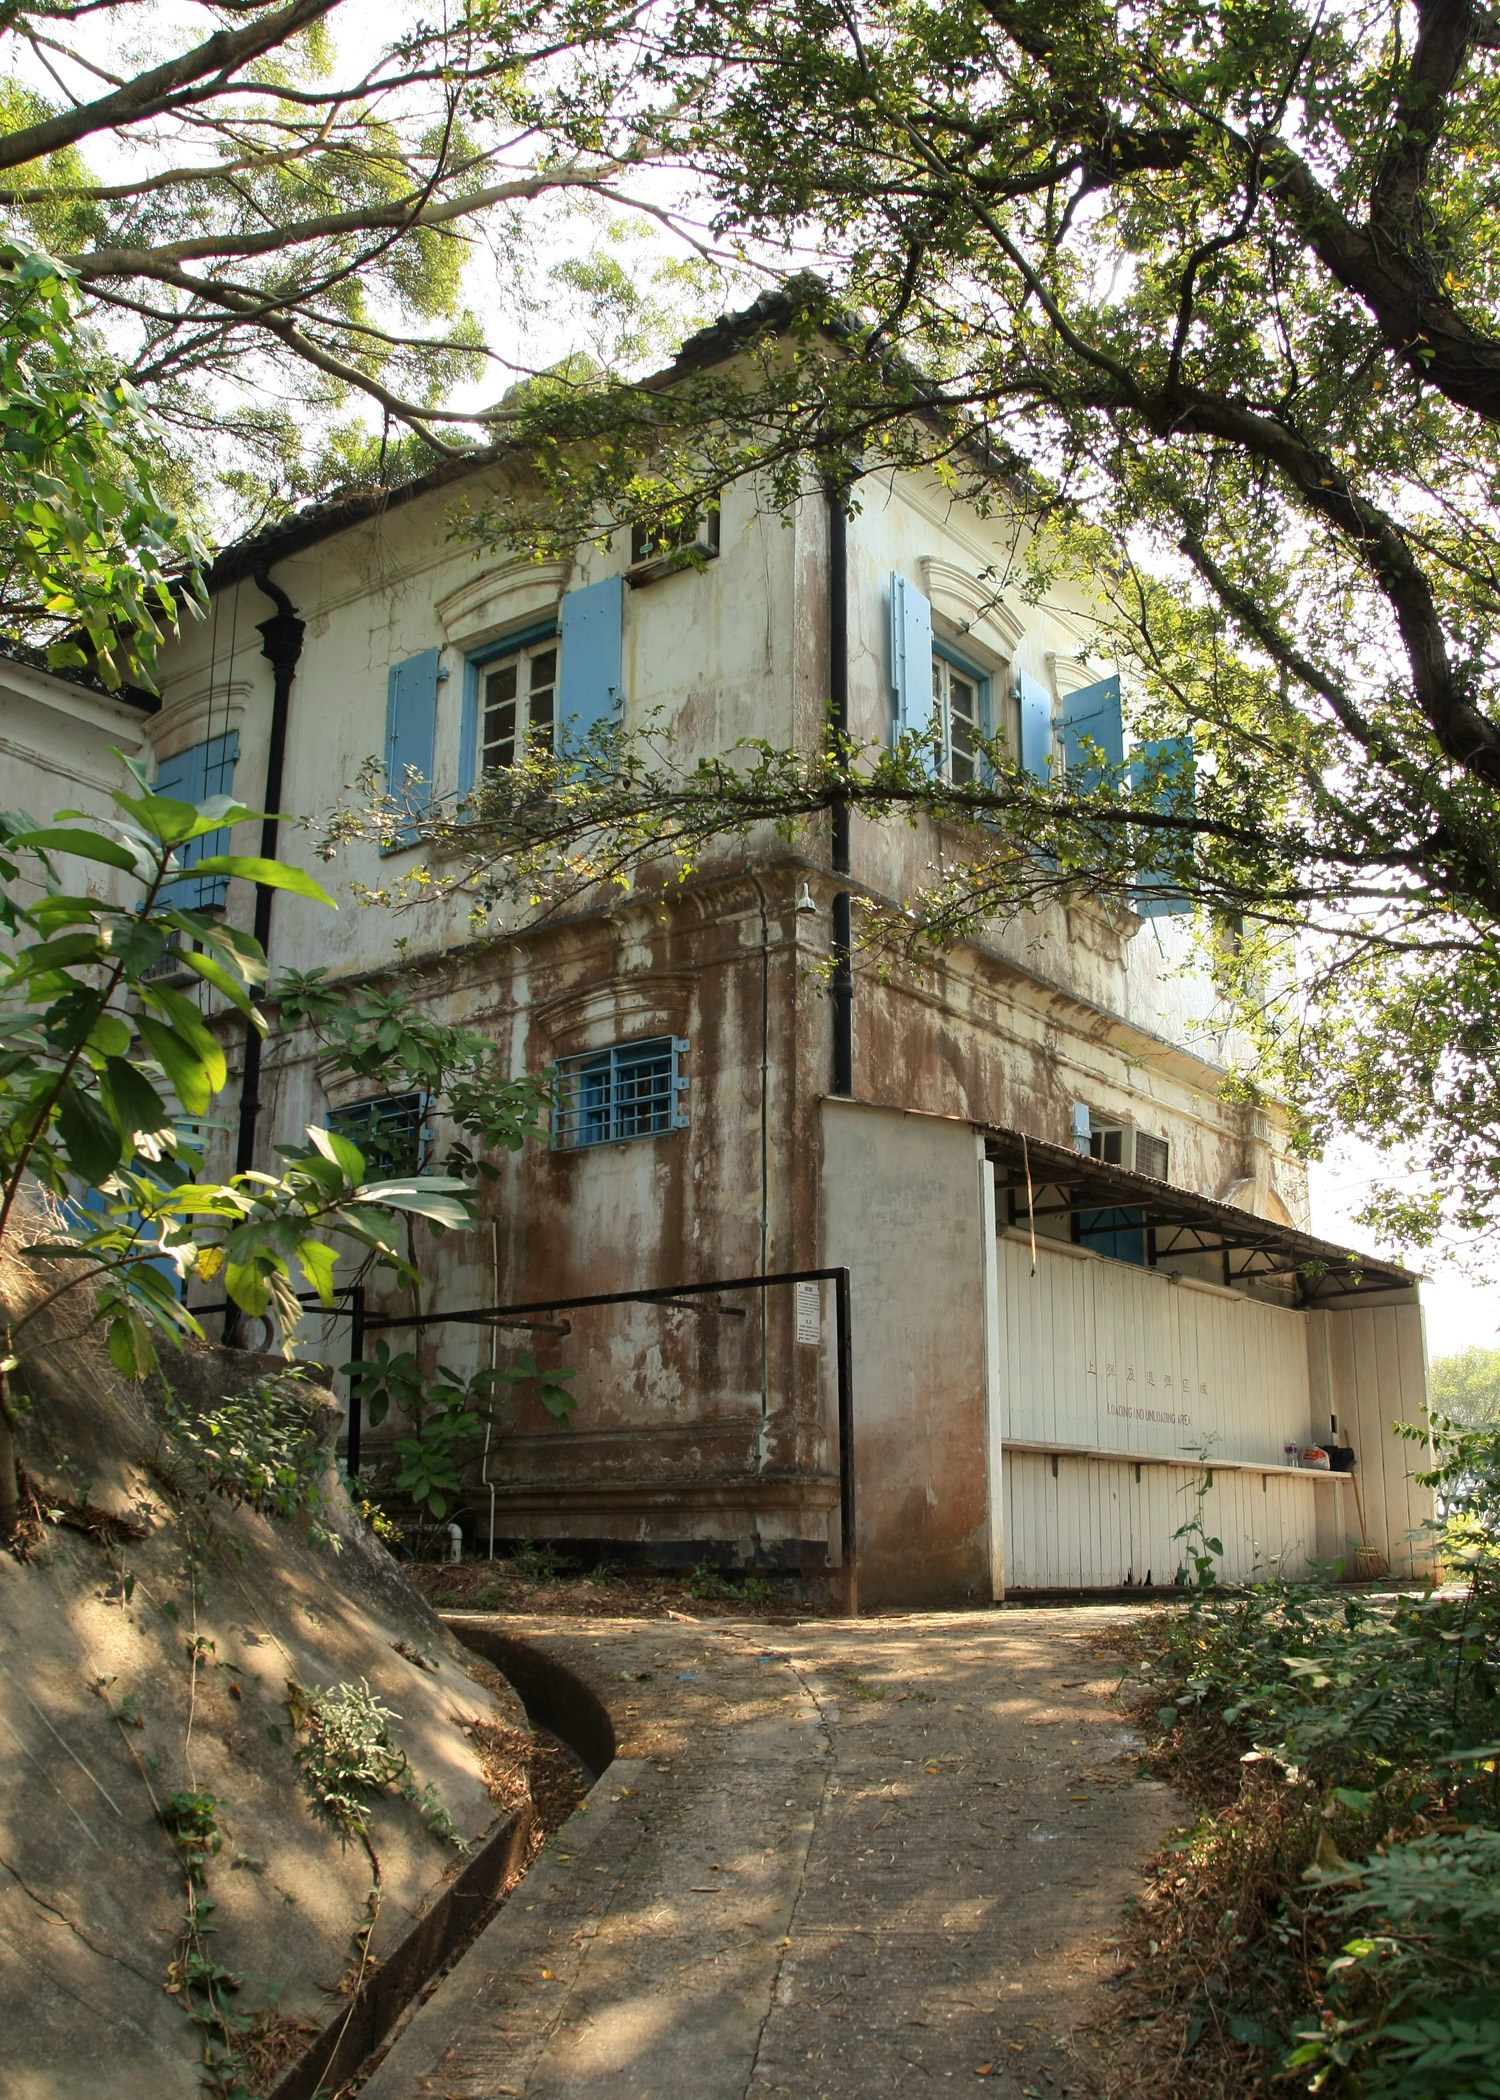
1181, 1222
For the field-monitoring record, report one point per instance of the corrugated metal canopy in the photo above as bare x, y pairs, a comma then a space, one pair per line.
1049, 1182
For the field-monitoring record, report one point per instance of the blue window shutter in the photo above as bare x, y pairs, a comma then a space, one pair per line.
192, 776
1082, 1126
1169, 762
1091, 725
411, 732
588, 673
1036, 726
911, 658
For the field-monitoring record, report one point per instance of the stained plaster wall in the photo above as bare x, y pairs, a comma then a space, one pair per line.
675, 1435
903, 1208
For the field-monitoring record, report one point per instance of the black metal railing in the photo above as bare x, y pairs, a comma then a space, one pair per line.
363, 1323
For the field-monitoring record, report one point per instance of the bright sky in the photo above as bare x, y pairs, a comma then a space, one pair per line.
1462, 1309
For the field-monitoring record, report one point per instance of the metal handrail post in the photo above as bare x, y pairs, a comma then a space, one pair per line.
353, 1421
843, 1329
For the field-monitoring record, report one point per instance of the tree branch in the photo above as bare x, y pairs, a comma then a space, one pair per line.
150, 93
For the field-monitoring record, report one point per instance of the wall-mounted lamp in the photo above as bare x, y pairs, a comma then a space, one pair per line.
806, 902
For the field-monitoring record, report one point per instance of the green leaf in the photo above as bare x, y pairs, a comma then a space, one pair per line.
247, 1286
220, 979
188, 1023
131, 1101
88, 845
89, 1138
130, 1350
342, 1151
1253, 2032
65, 953
163, 816
318, 1262
181, 1063
423, 1199
1353, 1797
273, 874
110, 1036
1167, 1716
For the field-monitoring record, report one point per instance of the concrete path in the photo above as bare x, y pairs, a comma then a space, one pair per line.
832, 1860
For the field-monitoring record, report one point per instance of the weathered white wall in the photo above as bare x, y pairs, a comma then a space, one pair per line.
55, 753
1104, 1354
1369, 1370
1096, 1524
901, 1207
1104, 1357
708, 656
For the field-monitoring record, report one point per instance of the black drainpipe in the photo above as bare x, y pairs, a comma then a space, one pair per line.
841, 989
281, 645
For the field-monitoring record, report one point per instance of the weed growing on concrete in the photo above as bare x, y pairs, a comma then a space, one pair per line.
703, 1581
201, 1984
348, 1760
265, 1450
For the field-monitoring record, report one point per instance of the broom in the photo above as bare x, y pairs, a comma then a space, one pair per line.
1369, 1565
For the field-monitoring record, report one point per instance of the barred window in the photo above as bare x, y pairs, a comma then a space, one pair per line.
389, 1131
630, 1090
1151, 1155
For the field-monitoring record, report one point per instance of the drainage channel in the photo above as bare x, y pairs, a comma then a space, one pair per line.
563, 1706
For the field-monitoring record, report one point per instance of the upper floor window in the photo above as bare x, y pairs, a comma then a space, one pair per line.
1111, 1142
192, 776
389, 1131
956, 700
519, 706
630, 1090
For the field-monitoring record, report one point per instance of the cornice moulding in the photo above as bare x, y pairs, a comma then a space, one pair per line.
971, 605
204, 708
484, 606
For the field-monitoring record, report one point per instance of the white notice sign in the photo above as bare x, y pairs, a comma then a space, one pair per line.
809, 1314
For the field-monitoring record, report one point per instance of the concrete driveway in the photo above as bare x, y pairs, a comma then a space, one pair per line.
832, 1861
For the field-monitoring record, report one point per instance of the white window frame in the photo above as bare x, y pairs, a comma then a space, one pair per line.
522, 740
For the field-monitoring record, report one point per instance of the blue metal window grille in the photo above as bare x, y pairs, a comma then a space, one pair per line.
390, 1131
628, 1091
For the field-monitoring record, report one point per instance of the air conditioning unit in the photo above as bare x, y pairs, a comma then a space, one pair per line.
1152, 1156
1123, 1145
662, 554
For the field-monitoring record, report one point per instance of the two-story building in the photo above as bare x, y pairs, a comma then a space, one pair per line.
1074, 1262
